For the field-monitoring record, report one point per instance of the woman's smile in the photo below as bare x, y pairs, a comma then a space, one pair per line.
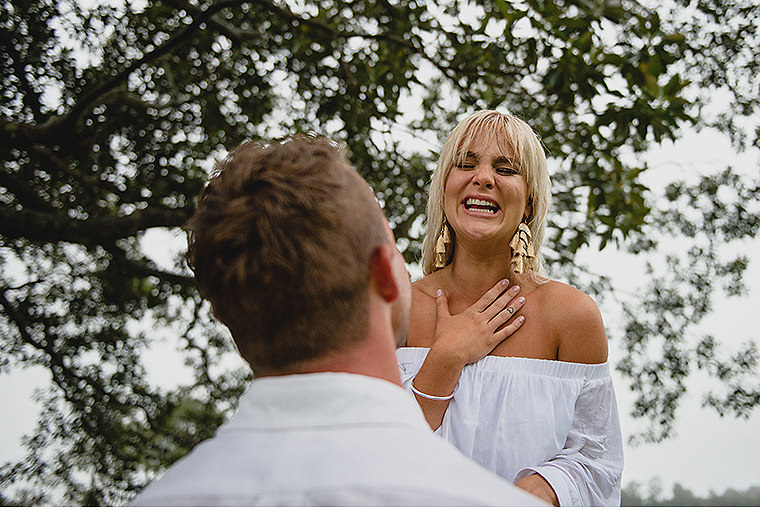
481, 206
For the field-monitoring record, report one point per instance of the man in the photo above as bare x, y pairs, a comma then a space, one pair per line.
292, 250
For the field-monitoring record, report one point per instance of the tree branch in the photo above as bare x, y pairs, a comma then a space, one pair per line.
53, 227
451, 73
140, 269
47, 155
23, 193
87, 100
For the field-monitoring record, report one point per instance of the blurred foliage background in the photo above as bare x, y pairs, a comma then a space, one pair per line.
112, 114
652, 495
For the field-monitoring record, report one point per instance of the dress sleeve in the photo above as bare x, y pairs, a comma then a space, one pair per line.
408, 370
587, 471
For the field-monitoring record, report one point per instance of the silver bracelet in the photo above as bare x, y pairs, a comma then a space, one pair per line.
428, 396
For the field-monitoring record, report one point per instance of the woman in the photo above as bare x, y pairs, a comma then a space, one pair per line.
532, 400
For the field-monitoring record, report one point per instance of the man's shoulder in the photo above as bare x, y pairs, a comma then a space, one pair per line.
379, 447
383, 465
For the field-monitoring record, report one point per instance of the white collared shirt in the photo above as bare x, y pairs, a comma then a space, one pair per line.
328, 439
517, 416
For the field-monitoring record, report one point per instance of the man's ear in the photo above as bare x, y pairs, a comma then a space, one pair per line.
382, 277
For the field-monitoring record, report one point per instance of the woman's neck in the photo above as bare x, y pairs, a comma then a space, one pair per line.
471, 274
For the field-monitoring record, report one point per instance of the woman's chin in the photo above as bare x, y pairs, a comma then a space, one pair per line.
483, 235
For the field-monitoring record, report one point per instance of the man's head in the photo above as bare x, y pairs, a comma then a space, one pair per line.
282, 245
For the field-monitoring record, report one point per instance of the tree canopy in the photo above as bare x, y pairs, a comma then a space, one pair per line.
112, 115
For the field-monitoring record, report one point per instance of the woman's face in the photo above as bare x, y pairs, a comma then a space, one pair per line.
485, 195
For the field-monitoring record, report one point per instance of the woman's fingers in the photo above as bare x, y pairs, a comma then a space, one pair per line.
490, 296
442, 304
508, 330
472, 334
508, 312
502, 303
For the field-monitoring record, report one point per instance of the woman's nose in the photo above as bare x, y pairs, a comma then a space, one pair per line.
483, 176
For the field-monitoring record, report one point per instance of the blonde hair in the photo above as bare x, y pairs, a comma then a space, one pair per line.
511, 135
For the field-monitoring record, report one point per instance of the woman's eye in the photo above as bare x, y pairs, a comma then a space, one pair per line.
506, 170
465, 165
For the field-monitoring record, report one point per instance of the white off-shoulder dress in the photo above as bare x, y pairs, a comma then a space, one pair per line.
517, 416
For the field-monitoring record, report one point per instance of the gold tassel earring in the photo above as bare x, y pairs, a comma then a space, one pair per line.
442, 245
523, 254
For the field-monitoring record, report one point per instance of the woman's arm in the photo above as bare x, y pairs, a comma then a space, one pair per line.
587, 471
539, 487
462, 339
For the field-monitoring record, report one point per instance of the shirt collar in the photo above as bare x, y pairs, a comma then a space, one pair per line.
324, 400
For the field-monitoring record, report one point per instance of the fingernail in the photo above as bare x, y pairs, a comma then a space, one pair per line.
516, 289
521, 299
439, 292
505, 282
521, 319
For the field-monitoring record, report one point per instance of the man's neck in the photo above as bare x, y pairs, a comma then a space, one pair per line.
374, 355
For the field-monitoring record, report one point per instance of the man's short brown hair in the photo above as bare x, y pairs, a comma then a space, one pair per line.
281, 245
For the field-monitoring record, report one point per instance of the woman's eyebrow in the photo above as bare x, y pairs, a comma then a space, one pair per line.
496, 161
504, 159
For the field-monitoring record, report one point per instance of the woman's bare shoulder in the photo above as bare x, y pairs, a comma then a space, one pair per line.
561, 295
577, 322
427, 285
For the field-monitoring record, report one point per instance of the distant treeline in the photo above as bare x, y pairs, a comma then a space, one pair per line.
634, 495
